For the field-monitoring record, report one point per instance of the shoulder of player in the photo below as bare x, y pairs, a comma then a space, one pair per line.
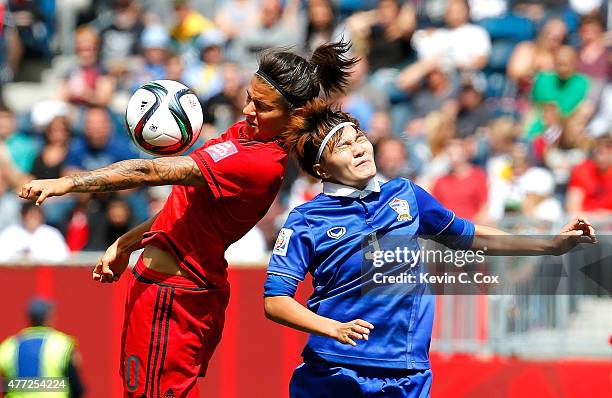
397, 183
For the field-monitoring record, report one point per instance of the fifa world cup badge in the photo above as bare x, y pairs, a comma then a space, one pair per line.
400, 206
282, 242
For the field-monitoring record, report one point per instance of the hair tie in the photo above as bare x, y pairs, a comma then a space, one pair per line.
292, 99
329, 136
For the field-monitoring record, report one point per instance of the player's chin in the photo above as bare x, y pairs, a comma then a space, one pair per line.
251, 128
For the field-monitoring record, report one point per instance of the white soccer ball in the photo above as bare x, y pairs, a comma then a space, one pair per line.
164, 117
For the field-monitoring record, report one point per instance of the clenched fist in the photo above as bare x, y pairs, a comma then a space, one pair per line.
40, 190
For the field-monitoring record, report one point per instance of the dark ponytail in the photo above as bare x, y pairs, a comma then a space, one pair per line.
300, 80
332, 66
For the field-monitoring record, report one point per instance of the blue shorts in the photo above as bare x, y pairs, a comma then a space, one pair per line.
328, 380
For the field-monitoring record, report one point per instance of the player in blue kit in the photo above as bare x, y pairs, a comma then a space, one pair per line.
327, 237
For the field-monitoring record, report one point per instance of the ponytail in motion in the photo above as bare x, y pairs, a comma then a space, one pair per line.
300, 80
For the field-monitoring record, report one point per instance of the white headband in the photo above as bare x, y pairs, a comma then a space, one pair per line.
329, 136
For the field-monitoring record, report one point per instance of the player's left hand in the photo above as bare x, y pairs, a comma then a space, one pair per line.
579, 230
40, 190
111, 265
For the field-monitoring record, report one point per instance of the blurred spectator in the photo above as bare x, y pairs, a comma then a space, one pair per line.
501, 136
51, 160
205, 77
86, 84
584, 7
438, 93
391, 159
364, 98
157, 197
590, 185
460, 44
482, 9
10, 205
188, 26
464, 188
570, 149
512, 199
321, 27
594, 59
175, 67
22, 148
472, 113
538, 189
380, 127
42, 352
530, 57
225, 108
563, 87
602, 121
99, 146
154, 43
32, 239
115, 221
439, 129
303, 189
277, 26
11, 49
384, 34
121, 40
233, 16
35, 23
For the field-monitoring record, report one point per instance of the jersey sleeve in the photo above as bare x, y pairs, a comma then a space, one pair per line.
437, 220
292, 253
434, 218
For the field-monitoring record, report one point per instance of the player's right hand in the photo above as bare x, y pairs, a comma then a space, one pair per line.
40, 190
111, 265
347, 333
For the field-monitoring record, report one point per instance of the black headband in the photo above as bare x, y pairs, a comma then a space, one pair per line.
292, 99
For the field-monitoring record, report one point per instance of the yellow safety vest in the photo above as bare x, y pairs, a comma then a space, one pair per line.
55, 353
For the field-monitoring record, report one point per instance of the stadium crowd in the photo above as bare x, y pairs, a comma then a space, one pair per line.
497, 107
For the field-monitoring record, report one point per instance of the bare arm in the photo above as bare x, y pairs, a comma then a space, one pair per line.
499, 243
286, 311
179, 170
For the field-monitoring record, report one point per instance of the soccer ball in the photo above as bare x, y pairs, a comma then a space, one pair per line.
164, 117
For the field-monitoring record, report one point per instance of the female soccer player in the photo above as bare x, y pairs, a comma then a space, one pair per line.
179, 290
327, 237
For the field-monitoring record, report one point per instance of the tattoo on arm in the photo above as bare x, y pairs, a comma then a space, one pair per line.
179, 170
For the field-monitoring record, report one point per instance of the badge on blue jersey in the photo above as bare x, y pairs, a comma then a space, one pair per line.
336, 232
400, 206
282, 242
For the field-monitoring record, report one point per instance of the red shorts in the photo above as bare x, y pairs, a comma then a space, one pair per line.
171, 329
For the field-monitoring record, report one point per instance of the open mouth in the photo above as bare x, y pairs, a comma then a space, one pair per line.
250, 123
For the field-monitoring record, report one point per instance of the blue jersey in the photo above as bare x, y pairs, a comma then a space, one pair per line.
325, 237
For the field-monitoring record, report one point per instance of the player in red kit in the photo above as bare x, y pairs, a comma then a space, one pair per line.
178, 290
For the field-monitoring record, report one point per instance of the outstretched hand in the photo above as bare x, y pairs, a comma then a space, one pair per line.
40, 190
579, 230
111, 265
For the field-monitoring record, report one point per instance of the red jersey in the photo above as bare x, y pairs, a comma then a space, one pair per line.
465, 195
198, 223
595, 184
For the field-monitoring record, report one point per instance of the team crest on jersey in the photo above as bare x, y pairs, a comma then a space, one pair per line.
282, 242
400, 206
221, 150
336, 232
